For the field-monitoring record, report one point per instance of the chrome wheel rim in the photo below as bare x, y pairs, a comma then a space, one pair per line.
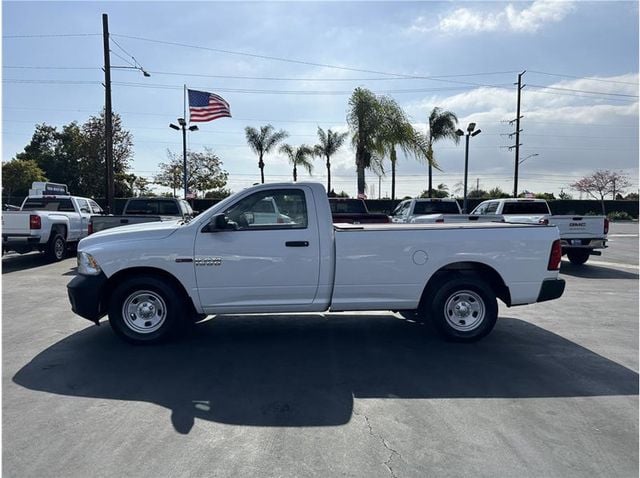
144, 311
58, 248
464, 310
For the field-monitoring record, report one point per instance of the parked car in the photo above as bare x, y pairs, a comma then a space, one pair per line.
152, 279
354, 211
581, 236
410, 209
144, 209
49, 221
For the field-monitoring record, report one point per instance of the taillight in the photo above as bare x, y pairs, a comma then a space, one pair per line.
555, 257
90, 229
606, 225
439, 220
34, 222
543, 221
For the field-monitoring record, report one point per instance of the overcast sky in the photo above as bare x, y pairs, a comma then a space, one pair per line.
580, 102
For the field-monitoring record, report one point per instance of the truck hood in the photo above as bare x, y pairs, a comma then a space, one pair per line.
134, 232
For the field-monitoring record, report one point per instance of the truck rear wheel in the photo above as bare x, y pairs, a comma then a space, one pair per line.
464, 309
56, 248
578, 256
145, 310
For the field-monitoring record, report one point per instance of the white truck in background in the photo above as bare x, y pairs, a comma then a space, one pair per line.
434, 211
580, 236
152, 279
49, 221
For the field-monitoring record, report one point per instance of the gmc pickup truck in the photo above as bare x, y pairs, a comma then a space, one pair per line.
580, 236
152, 279
48, 221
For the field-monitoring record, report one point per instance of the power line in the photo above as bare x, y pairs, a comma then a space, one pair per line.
59, 35
582, 91
590, 78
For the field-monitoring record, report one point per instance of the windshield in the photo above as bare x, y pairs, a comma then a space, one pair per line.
438, 207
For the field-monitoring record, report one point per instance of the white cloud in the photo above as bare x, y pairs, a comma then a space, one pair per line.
528, 20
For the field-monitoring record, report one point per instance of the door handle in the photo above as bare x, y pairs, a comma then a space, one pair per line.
297, 243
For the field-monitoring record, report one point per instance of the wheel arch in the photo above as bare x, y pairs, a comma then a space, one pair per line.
124, 274
492, 278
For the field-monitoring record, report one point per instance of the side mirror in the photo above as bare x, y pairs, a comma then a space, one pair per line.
219, 223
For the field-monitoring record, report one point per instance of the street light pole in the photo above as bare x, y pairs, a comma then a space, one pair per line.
470, 132
183, 127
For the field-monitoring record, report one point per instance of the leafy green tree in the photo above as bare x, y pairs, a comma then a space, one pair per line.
497, 193
262, 142
17, 176
330, 143
204, 171
396, 131
564, 196
363, 118
631, 197
300, 156
442, 125
478, 194
220, 193
441, 192
75, 155
547, 196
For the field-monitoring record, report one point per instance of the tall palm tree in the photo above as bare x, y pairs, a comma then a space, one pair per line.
300, 156
442, 125
330, 143
263, 141
363, 118
397, 131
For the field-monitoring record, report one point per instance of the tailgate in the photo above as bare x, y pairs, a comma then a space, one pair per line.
15, 222
579, 227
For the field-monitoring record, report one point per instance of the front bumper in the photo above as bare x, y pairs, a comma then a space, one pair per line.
85, 293
551, 289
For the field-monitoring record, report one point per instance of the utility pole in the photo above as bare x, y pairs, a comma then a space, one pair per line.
108, 125
517, 145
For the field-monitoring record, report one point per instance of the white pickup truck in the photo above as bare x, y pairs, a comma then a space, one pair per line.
47, 222
580, 236
152, 279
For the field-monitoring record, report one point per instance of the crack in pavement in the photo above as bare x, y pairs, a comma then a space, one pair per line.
393, 453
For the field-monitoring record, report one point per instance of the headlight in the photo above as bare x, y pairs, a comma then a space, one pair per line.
87, 265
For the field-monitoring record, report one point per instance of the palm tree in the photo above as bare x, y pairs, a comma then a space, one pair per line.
300, 156
263, 141
364, 121
330, 143
442, 125
397, 131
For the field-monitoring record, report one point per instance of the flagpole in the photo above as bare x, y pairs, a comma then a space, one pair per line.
184, 143
185, 102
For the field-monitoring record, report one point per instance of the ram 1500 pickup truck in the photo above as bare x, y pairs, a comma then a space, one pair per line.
580, 236
152, 279
47, 222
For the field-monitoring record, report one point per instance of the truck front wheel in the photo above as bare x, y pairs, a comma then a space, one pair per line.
464, 309
578, 256
145, 310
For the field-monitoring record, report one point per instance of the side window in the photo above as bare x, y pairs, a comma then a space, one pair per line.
492, 207
95, 208
480, 210
280, 209
170, 208
83, 205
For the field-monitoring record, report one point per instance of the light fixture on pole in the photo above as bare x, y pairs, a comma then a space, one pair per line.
470, 132
183, 127
530, 156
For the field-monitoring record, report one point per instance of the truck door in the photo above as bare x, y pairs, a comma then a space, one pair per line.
83, 221
264, 264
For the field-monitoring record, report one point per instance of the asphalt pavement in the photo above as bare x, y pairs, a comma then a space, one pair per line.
553, 391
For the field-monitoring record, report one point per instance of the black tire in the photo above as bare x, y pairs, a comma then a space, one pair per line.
56, 248
464, 308
578, 256
155, 312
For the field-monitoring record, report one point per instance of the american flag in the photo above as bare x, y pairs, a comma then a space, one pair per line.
205, 106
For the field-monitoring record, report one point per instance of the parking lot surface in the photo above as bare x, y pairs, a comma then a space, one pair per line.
553, 391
